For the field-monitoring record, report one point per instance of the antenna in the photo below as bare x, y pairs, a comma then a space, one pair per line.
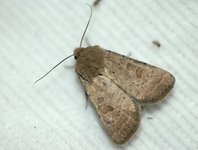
53, 68
86, 25
72, 54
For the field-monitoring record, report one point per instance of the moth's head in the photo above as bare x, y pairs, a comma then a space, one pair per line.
83, 51
78, 51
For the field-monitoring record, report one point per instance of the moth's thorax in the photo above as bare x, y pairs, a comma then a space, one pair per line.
84, 51
89, 62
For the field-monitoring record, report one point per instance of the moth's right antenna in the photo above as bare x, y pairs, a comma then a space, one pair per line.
86, 25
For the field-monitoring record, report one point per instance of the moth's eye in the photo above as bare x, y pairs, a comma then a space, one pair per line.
75, 56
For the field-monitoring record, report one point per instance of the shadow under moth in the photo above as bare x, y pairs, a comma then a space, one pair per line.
117, 86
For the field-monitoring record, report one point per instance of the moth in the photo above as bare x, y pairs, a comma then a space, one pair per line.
117, 87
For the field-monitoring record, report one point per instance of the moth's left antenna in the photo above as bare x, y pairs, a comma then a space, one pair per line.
53, 68
72, 54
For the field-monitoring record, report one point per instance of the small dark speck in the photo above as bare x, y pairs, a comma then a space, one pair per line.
96, 2
34, 127
156, 43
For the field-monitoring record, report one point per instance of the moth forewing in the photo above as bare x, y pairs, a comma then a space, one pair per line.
119, 113
146, 83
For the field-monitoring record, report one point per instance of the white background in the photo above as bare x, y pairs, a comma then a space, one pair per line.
35, 35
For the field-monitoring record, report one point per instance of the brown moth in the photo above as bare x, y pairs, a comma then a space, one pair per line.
117, 86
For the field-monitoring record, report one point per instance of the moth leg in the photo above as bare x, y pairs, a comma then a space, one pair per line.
87, 98
69, 66
86, 95
129, 54
87, 42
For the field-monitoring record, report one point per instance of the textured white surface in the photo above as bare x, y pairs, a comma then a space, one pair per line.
35, 35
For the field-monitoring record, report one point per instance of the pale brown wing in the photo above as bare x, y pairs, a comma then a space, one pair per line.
118, 112
146, 83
